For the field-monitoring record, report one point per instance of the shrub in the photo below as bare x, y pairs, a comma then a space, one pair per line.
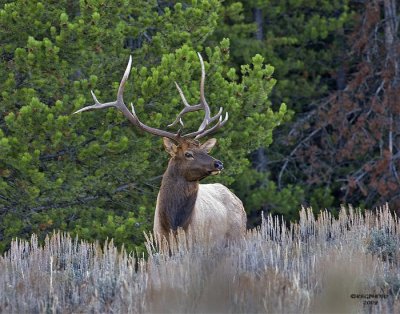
276, 268
383, 244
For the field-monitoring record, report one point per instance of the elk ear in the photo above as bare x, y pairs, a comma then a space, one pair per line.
170, 146
207, 146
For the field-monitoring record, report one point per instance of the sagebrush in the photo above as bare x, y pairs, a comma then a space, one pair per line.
323, 264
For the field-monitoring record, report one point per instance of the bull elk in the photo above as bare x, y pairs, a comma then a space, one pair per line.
182, 202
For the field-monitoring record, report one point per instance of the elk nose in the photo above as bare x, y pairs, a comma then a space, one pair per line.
218, 165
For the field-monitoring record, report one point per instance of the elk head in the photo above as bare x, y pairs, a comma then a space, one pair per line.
191, 160
188, 156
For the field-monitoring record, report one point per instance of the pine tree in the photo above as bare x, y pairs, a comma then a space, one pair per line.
304, 41
352, 140
93, 174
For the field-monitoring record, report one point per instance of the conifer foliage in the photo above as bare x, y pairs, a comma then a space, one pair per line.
93, 174
305, 41
350, 144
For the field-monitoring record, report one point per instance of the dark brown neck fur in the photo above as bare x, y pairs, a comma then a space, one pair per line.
176, 200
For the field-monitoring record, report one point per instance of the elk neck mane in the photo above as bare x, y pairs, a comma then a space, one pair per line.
177, 198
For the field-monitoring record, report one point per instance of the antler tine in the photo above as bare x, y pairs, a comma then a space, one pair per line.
207, 119
201, 133
219, 124
188, 108
203, 101
132, 117
97, 105
202, 105
119, 103
182, 95
217, 116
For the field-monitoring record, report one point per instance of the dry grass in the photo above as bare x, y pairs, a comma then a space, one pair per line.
313, 266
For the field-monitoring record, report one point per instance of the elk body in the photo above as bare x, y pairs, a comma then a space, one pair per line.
211, 210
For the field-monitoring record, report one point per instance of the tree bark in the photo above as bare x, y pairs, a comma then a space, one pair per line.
258, 18
391, 38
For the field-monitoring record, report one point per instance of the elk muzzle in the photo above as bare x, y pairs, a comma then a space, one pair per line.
218, 167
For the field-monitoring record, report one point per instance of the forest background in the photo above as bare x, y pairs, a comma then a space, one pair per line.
312, 89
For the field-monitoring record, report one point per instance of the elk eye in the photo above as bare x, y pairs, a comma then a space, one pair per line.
189, 155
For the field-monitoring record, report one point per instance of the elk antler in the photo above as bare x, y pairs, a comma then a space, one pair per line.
132, 117
202, 105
